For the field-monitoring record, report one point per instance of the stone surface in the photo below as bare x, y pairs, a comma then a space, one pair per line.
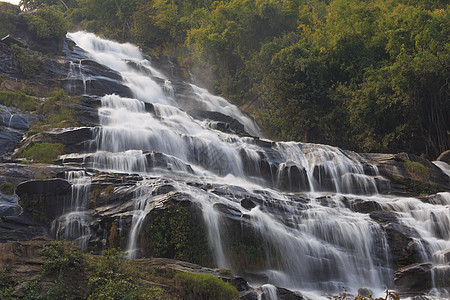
413, 278
445, 157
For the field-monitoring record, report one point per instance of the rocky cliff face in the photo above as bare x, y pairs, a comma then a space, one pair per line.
293, 215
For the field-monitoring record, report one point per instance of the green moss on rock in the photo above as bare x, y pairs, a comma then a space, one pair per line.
43, 152
177, 232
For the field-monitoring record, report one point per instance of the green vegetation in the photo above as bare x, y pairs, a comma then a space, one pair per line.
417, 170
43, 152
110, 280
19, 100
363, 75
47, 22
178, 232
7, 188
8, 14
205, 286
6, 285
29, 62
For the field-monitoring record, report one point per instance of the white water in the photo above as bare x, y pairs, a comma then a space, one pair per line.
73, 224
319, 245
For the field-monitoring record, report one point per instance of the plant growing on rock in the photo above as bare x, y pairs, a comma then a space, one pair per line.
7, 188
205, 286
43, 152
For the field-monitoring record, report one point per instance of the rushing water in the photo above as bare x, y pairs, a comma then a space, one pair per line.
316, 241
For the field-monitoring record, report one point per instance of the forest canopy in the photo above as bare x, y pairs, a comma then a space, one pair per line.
366, 75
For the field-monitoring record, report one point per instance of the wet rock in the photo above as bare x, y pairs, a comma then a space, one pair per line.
384, 217
414, 278
247, 203
224, 122
405, 182
46, 197
364, 206
365, 292
445, 157
249, 295
324, 178
280, 293
20, 228
293, 178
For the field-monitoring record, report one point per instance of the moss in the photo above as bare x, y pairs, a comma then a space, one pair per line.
178, 232
43, 152
417, 170
205, 286
245, 247
7, 188
417, 187
225, 272
56, 113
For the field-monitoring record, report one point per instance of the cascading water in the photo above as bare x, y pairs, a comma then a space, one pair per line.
73, 224
313, 240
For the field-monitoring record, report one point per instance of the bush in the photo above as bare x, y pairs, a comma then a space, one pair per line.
47, 22
28, 62
205, 286
7, 188
111, 281
43, 152
19, 100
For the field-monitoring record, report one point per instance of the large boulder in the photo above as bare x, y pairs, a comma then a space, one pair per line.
414, 278
44, 197
402, 240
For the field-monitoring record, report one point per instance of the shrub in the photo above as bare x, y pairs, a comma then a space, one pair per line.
19, 100
44, 152
7, 188
47, 22
205, 286
8, 14
28, 62
111, 281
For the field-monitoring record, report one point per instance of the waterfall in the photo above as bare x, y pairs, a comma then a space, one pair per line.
303, 194
73, 224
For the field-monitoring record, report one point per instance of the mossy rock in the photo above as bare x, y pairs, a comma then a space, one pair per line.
176, 231
7, 188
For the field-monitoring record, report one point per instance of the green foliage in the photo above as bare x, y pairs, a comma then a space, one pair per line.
43, 152
19, 100
7, 188
56, 112
417, 170
177, 233
6, 285
47, 22
8, 14
205, 286
369, 76
28, 62
58, 261
110, 280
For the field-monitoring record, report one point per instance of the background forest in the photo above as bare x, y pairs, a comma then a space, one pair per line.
364, 75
